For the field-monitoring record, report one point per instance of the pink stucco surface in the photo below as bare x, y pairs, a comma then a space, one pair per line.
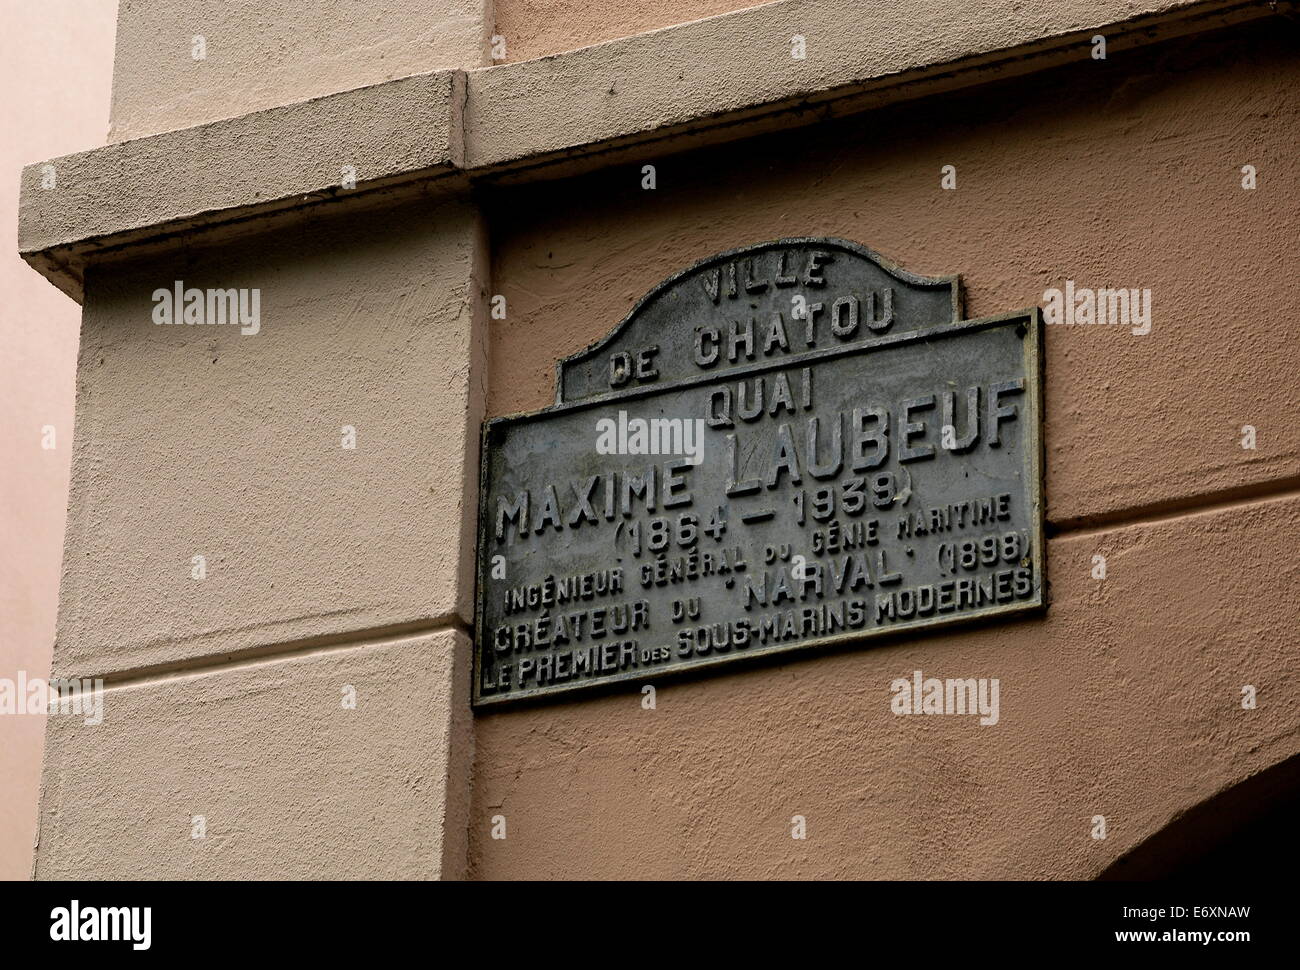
56, 61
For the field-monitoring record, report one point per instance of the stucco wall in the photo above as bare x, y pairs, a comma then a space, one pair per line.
1124, 700
328, 568
55, 63
184, 432
256, 54
258, 771
535, 28
228, 676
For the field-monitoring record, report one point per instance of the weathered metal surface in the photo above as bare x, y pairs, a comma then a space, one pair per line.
790, 445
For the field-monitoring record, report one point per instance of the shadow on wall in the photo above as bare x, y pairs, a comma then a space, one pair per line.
1250, 821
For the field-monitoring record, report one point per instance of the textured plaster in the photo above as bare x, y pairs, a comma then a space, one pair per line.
199, 440
55, 61
262, 55
290, 783
535, 28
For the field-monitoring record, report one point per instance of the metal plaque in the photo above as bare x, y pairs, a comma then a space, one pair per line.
789, 445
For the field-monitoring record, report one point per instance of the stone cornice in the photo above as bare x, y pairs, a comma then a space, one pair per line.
724, 78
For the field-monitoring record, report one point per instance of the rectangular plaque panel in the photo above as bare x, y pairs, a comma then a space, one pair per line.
836, 494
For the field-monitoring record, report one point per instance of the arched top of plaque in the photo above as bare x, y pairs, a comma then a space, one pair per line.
774, 302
